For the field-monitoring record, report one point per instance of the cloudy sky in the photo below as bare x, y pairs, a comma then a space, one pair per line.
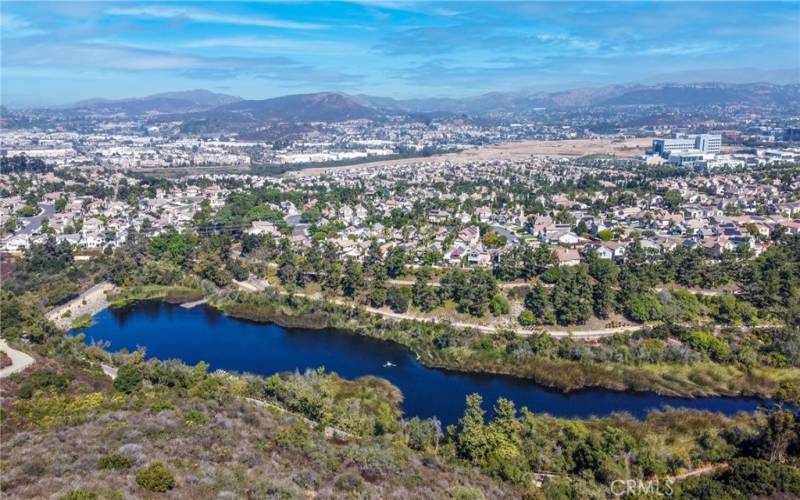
61, 52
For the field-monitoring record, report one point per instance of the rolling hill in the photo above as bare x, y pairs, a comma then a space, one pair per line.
323, 107
166, 102
220, 109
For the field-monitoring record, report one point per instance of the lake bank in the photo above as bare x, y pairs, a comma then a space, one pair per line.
448, 346
203, 334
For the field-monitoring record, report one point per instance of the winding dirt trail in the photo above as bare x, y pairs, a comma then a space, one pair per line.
250, 287
19, 360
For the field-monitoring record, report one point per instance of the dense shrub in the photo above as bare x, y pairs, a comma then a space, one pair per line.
500, 305
716, 347
293, 436
43, 380
129, 379
114, 461
196, 418
526, 318
156, 477
80, 495
422, 434
643, 307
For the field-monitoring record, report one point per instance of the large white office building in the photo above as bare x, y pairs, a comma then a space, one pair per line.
684, 143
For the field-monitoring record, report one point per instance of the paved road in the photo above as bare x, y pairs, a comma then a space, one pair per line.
19, 360
32, 224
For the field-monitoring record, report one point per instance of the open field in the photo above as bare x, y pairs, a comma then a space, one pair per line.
172, 172
511, 151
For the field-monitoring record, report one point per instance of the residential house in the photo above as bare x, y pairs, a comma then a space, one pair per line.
567, 256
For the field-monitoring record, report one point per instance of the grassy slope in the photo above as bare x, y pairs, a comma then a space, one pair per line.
53, 444
171, 294
697, 379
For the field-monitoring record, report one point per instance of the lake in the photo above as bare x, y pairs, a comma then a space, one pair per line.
169, 331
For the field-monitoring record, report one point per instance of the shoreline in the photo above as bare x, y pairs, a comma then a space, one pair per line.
89, 303
543, 372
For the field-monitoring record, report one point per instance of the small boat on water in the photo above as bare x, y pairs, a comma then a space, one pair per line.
388, 364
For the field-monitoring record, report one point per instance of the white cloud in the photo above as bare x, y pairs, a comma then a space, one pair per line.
13, 26
407, 6
78, 58
89, 56
684, 49
202, 16
273, 44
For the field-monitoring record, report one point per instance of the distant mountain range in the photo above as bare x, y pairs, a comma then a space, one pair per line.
202, 105
166, 102
320, 107
678, 95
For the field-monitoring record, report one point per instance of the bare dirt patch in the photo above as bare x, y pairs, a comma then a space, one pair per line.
572, 148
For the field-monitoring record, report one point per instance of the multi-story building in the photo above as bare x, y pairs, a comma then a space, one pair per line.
792, 134
682, 143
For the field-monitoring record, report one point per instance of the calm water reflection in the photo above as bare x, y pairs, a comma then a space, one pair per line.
202, 334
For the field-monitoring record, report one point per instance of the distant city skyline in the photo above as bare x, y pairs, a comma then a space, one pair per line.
56, 53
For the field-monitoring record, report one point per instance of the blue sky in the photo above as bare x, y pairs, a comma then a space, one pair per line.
61, 52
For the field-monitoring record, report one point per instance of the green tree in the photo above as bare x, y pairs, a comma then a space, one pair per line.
332, 278
374, 259
209, 266
602, 299
544, 258
377, 287
716, 347
60, 204
422, 435
287, 266
508, 263
352, 278
311, 215
779, 434
472, 442
537, 301
423, 294
173, 246
398, 299
481, 287
672, 200
129, 378
505, 458
396, 262
605, 234
572, 296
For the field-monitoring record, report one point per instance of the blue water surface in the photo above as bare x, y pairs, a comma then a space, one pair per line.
202, 334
